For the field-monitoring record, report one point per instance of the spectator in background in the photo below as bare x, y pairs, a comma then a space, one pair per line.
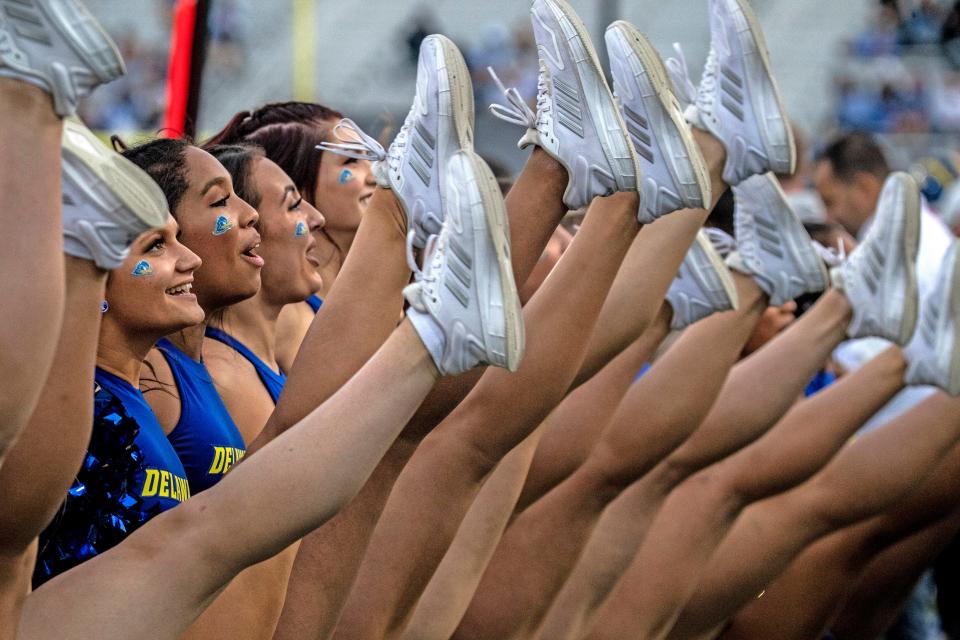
881, 37
923, 25
848, 176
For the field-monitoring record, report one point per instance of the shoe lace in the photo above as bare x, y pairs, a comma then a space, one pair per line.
722, 241
708, 82
517, 111
427, 282
367, 149
832, 257
686, 91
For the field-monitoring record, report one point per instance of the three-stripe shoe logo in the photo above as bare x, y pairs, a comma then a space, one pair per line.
423, 144
768, 236
731, 92
566, 100
25, 20
460, 264
639, 129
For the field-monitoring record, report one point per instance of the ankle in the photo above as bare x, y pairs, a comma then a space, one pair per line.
26, 102
713, 151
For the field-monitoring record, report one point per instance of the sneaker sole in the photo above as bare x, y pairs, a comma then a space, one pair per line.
754, 46
117, 186
573, 28
719, 268
499, 229
81, 32
911, 247
453, 68
650, 60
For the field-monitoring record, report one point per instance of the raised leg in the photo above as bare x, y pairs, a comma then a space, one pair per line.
458, 455
57, 432
32, 252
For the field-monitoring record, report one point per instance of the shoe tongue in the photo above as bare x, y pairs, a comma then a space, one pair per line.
692, 115
413, 293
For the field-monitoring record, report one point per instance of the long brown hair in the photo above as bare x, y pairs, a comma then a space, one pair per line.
289, 133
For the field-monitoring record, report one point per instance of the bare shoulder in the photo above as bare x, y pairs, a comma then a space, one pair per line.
292, 326
239, 386
160, 390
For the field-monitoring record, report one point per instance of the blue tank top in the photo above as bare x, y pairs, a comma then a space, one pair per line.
315, 302
163, 481
129, 474
206, 438
272, 380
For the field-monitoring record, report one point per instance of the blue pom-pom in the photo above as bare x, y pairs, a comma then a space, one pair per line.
99, 512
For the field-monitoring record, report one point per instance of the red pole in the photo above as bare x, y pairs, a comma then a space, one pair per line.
185, 68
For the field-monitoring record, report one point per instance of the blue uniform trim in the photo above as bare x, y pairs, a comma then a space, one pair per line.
272, 380
315, 302
206, 437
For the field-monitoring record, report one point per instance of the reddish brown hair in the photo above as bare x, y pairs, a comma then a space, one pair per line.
289, 133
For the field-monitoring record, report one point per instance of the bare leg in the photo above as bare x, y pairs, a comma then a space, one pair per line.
532, 562
363, 308
885, 464
791, 359
32, 251
447, 596
193, 551
329, 559
574, 427
580, 417
657, 255
699, 513
740, 415
457, 456
57, 433
801, 602
889, 580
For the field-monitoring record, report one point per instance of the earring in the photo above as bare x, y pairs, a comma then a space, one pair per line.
104, 306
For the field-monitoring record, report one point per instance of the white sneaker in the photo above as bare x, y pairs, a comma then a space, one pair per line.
772, 244
674, 173
738, 100
58, 46
702, 287
577, 120
933, 354
879, 278
439, 124
464, 304
107, 200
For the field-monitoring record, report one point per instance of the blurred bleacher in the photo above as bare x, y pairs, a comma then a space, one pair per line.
362, 63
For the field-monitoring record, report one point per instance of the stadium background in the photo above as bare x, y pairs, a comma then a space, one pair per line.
839, 62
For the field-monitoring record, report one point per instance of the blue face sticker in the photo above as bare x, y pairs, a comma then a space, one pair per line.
104, 306
301, 229
346, 176
142, 269
223, 225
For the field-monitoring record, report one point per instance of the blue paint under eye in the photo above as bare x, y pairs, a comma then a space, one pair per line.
346, 176
301, 229
142, 269
223, 225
